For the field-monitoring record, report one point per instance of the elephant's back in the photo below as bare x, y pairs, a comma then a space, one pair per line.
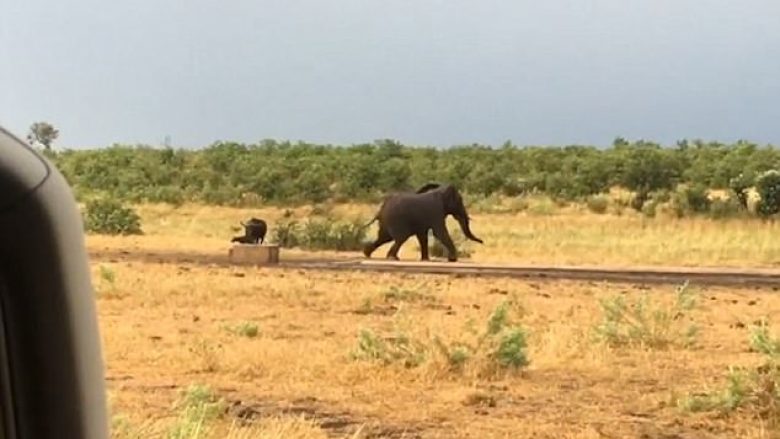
408, 205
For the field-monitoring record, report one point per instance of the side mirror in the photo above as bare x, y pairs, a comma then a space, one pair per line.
51, 367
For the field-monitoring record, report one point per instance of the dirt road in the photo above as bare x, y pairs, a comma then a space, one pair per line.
647, 274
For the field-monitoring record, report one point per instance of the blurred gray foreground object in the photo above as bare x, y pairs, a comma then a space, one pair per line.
51, 367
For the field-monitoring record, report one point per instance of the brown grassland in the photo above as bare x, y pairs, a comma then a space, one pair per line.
281, 347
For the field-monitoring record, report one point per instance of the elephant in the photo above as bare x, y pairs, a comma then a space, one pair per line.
402, 215
254, 231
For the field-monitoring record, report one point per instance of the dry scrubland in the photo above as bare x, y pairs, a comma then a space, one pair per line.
538, 232
202, 351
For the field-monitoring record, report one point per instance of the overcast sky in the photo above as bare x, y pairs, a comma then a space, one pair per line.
424, 72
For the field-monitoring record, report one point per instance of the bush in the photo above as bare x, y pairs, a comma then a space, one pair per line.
398, 349
244, 329
696, 198
198, 408
107, 216
646, 324
690, 200
320, 234
761, 340
768, 187
286, 231
739, 185
500, 346
754, 389
331, 234
598, 203
280, 172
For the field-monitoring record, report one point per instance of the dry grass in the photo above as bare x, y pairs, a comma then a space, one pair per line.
166, 327
276, 345
569, 235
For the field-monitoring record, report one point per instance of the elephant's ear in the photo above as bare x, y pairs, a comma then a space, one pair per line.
427, 187
451, 197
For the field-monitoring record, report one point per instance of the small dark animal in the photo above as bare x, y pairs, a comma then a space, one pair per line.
254, 232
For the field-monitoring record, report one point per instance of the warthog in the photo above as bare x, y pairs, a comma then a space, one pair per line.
254, 232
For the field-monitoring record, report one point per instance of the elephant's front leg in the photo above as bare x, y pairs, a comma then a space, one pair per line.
441, 233
422, 238
399, 241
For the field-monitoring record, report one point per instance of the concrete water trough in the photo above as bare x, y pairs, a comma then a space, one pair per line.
264, 254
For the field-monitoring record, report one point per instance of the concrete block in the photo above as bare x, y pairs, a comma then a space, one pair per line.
254, 254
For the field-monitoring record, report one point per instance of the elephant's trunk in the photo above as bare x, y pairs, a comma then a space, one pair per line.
464, 226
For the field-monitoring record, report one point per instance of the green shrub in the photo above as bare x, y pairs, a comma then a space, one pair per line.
756, 389
768, 187
598, 203
244, 329
690, 200
696, 198
501, 346
198, 407
761, 340
107, 216
286, 232
106, 286
281, 172
332, 234
325, 233
734, 395
647, 324
739, 186
398, 349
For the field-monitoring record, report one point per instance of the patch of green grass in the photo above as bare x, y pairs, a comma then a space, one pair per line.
389, 350
728, 399
761, 340
244, 329
106, 285
198, 406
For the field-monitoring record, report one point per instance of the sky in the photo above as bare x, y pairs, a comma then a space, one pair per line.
423, 72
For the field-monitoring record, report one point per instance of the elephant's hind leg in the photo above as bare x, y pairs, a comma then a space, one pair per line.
399, 241
382, 237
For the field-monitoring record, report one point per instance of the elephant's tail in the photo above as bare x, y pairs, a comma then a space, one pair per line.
376, 217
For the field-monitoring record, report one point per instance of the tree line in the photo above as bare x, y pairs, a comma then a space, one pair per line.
280, 172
